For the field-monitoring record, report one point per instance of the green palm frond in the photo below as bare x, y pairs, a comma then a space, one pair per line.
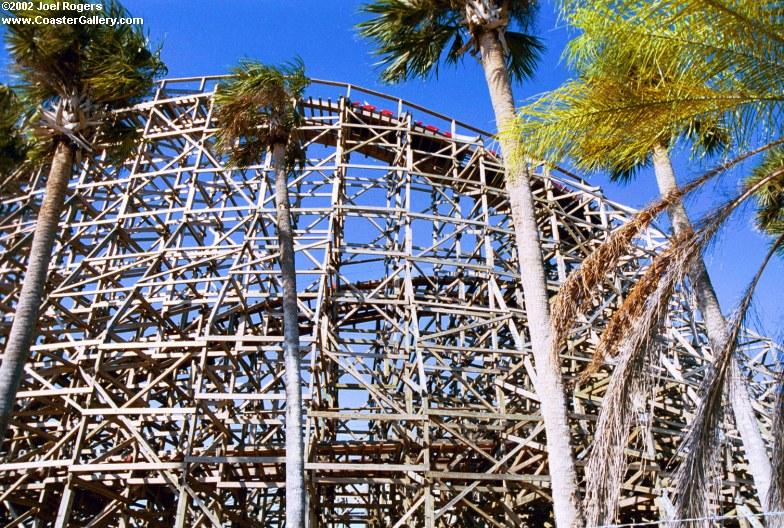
412, 37
770, 196
91, 69
628, 170
257, 108
708, 138
13, 146
525, 51
113, 64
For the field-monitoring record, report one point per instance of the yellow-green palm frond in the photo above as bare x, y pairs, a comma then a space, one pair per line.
257, 108
734, 47
611, 123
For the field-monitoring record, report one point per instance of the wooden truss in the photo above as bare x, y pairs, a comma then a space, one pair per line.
155, 397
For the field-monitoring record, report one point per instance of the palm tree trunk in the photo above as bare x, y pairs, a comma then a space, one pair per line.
776, 491
295, 451
549, 383
22, 335
716, 327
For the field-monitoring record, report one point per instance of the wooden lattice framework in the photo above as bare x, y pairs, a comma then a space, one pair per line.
155, 398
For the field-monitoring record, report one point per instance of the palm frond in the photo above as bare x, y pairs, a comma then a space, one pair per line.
114, 64
770, 197
708, 139
612, 123
119, 139
631, 329
522, 13
257, 108
681, 44
634, 305
581, 289
412, 37
525, 51
672, 264
701, 447
631, 381
651, 73
13, 146
89, 70
627, 170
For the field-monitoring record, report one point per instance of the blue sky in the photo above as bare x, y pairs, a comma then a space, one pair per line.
205, 37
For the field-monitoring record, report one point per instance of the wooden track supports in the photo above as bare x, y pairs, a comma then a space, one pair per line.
155, 394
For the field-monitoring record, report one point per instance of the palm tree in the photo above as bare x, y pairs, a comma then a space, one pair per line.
411, 38
257, 112
770, 220
635, 97
75, 75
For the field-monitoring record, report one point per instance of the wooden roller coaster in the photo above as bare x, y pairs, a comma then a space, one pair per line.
155, 398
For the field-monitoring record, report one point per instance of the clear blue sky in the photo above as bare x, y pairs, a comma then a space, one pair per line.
204, 37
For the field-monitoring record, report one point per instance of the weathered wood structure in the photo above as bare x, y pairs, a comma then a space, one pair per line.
155, 398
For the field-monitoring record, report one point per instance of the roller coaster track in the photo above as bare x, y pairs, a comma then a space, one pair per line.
155, 397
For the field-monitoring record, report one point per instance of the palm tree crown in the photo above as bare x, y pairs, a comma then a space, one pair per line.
770, 196
257, 108
413, 35
77, 74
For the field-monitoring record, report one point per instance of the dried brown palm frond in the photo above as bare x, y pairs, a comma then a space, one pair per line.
632, 378
582, 288
631, 330
701, 447
682, 251
632, 381
637, 304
